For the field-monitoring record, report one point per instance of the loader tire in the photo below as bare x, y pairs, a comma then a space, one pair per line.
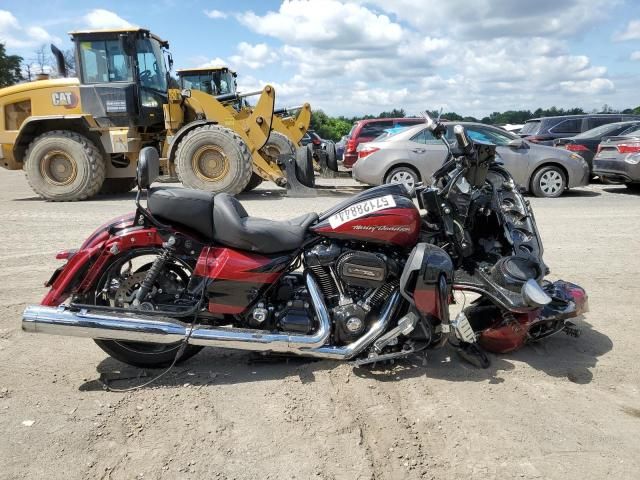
64, 166
332, 157
304, 168
254, 182
278, 144
113, 186
215, 159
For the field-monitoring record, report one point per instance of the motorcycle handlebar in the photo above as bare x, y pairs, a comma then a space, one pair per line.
463, 140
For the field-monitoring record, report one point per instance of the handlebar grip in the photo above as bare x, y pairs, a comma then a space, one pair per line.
463, 141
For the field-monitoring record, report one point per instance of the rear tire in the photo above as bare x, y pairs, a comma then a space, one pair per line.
156, 355
549, 182
117, 185
63, 166
254, 182
278, 144
634, 187
304, 168
215, 159
332, 157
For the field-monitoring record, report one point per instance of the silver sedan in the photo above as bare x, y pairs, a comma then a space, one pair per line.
412, 156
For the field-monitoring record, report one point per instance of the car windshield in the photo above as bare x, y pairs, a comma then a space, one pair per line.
531, 127
151, 69
599, 131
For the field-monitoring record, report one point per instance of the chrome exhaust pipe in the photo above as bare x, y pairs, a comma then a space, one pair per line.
138, 328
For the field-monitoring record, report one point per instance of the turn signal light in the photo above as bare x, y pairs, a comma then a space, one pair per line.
573, 147
366, 151
628, 147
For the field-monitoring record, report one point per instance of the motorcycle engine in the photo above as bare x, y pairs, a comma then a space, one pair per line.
354, 282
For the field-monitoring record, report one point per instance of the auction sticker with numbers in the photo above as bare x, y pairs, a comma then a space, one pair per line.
361, 209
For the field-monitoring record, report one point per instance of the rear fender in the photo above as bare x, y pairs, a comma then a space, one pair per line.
428, 271
84, 266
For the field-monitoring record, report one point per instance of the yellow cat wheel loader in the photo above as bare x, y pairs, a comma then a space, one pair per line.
286, 130
75, 137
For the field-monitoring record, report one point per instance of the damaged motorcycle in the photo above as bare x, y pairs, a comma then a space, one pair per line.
369, 280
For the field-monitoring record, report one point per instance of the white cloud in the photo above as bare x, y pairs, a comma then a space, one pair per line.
100, 18
635, 55
632, 32
215, 14
214, 62
253, 56
327, 24
366, 56
16, 36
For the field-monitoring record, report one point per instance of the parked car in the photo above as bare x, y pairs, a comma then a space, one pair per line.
312, 137
618, 160
545, 130
413, 155
369, 129
586, 143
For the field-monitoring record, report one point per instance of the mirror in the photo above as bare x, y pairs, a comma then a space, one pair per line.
186, 93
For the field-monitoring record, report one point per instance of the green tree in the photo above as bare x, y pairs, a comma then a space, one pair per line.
9, 68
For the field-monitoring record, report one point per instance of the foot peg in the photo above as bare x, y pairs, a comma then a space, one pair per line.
571, 329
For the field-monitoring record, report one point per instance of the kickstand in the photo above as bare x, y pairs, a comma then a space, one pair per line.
472, 353
295, 189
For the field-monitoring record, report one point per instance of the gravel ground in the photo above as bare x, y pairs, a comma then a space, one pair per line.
564, 409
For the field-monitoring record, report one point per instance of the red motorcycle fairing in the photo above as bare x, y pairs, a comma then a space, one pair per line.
505, 337
84, 265
236, 278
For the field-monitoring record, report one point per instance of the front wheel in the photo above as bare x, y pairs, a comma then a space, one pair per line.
405, 176
549, 182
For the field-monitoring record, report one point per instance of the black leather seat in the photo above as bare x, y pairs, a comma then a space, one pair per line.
235, 228
183, 206
221, 218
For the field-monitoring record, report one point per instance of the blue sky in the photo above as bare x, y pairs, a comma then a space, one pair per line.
367, 56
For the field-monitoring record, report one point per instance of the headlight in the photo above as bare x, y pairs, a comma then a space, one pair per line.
148, 100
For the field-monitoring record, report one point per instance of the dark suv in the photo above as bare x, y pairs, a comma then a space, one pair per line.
545, 130
367, 130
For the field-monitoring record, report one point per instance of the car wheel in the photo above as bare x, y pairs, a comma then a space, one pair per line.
549, 181
405, 176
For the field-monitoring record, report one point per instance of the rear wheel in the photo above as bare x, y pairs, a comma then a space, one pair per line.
117, 185
278, 144
549, 181
215, 159
117, 288
405, 176
63, 166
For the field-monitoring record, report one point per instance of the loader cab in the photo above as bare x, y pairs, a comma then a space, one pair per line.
211, 80
123, 76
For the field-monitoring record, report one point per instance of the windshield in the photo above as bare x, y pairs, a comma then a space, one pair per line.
224, 82
151, 70
531, 127
213, 83
599, 131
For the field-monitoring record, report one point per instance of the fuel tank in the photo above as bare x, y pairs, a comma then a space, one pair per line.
384, 214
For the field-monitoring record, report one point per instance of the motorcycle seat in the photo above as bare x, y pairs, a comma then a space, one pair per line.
183, 206
235, 228
222, 218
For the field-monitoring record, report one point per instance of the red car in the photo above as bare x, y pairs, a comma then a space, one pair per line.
367, 130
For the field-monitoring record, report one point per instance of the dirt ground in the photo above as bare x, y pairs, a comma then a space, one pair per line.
564, 409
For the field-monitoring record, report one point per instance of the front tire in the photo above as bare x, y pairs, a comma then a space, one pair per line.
63, 166
405, 176
549, 182
254, 182
215, 159
277, 144
304, 168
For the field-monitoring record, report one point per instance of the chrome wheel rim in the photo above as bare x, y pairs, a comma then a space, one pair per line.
551, 182
404, 178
